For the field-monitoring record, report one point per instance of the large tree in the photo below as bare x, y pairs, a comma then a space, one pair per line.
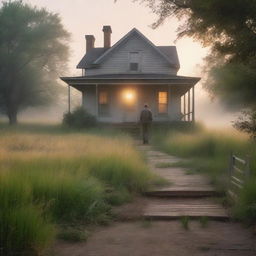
33, 50
229, 29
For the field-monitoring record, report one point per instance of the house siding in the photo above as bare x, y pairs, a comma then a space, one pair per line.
145, 94
118, 61
89, 100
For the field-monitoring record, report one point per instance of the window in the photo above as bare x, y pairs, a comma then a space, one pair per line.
162, 102
134, 61
134, 66
103, 103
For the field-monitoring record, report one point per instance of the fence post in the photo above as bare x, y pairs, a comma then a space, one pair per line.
247, 170
231, 163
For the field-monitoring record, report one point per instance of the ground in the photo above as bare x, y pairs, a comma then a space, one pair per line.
136, 237
131, 235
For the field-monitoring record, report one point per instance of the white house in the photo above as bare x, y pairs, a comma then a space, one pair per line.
118, 80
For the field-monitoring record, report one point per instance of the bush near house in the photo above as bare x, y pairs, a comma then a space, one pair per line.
79, 119
47, 180
209, 152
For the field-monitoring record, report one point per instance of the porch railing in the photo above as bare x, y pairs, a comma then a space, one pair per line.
188, 117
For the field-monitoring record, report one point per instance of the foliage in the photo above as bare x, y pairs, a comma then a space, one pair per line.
79, 118
247, 123
33, 49
229, 30
47, 180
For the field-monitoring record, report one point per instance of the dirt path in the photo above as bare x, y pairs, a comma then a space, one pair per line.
132, 236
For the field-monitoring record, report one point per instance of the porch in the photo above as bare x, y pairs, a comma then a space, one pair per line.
120, 98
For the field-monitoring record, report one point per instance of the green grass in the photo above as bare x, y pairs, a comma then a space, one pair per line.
50, 177
204, 221
72, 234
164, 165
185, 222
208, 152
245, 209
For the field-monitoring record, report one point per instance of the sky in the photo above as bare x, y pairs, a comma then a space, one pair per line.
81, 17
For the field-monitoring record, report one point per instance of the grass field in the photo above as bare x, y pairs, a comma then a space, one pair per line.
208, 151
51, 177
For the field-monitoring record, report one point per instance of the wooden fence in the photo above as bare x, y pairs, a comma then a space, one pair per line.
239, 173
188, 117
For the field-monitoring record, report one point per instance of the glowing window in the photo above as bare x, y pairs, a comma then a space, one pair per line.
103, 98
103, 103
162, 102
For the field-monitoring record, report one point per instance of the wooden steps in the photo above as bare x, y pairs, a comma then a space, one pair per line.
187, 192
170, 211
187, 195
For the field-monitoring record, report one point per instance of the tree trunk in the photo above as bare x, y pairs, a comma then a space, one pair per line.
12, 116
12, 119
12, 105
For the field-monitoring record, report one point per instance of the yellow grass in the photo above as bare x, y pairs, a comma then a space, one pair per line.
67, 177
68, 146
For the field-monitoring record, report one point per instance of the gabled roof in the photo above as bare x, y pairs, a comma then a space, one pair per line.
98, 55
171, 53
89, 58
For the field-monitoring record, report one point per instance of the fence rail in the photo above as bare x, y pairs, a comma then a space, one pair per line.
187, 117
239, 173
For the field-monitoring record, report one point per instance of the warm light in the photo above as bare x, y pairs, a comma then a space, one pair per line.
129, 96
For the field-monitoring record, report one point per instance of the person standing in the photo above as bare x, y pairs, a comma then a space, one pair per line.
146, 120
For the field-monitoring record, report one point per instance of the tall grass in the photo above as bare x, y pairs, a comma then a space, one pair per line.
53, 179
208, 151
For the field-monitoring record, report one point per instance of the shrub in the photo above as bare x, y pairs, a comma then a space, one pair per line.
79, 118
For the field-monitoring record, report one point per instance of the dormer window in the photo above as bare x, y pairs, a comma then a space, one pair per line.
134, 64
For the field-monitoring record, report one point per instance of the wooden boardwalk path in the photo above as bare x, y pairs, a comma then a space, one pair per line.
187, 195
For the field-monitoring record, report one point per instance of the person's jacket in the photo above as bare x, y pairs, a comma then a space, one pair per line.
146, 116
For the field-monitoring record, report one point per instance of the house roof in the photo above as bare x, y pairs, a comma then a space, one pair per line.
98, 55
131, 79
89, 58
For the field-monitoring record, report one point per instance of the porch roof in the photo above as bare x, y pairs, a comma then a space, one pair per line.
131, 79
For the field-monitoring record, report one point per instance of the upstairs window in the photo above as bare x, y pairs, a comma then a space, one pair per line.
134, 64
162, 102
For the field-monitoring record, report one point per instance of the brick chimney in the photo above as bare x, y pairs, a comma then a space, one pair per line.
107, 36
90, 40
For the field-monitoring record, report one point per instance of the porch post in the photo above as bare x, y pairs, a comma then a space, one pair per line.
189, 110
168, 101
96, 100
193, 103
69, 99
184, 107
